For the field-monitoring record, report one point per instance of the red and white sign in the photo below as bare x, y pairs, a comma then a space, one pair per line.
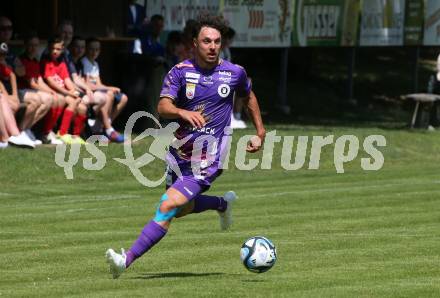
256, 18
259, 23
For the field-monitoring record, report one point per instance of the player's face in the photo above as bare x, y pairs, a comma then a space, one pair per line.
56, 50
93, 50
207, 45
32, 47
78, 48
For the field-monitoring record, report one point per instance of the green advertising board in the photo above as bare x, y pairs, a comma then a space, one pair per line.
317, 22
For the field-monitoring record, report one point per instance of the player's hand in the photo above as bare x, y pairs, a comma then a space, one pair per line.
194, 118
254, 144
74, 94
85, 100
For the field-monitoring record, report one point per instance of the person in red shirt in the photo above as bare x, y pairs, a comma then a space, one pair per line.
32, 101
32, 82
6, 74
55, 73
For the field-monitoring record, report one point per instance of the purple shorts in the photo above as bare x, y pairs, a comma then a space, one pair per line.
189, 185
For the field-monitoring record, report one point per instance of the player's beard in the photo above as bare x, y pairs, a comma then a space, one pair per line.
205, 61
211, 59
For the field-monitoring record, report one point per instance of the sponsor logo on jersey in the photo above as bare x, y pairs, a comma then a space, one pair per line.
192, 75
225, 80
205, 129
195, 81
225, 73
190, 90
223, 90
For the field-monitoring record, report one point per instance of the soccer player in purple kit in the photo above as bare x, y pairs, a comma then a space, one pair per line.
198, 93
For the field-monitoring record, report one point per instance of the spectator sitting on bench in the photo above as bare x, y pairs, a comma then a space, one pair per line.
31, 100
96, 99
55, 73
77, 50
32, 82
6, 34
9, 132
93, 78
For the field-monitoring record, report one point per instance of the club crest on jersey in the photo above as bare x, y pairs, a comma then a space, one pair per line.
208, 80
223, 90
190, 90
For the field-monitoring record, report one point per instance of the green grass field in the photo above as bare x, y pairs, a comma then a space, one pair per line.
355, 234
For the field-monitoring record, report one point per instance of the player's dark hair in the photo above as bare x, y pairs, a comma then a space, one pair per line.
54, 39
230, 33
211, 21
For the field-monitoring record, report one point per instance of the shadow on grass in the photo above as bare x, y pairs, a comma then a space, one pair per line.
175, 275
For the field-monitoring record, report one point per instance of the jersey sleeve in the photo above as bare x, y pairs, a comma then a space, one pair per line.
171, 84
244, 84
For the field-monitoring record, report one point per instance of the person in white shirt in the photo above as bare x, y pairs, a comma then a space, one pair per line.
92, 75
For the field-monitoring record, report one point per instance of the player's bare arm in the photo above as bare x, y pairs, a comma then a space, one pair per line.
253, 110
13, 81
168, 110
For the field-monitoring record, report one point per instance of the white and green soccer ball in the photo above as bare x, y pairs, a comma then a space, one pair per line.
258, 254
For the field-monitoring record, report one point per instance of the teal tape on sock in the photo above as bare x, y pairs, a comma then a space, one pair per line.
160, 216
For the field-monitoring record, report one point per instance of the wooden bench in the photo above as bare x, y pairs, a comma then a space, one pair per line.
421, 99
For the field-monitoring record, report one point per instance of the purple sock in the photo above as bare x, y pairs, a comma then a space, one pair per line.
203, 203
150, 235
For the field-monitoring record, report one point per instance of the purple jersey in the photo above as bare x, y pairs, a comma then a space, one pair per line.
211, 93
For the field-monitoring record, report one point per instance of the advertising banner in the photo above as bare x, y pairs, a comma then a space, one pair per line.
177, 12
382, 23
318, 22
259, 23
